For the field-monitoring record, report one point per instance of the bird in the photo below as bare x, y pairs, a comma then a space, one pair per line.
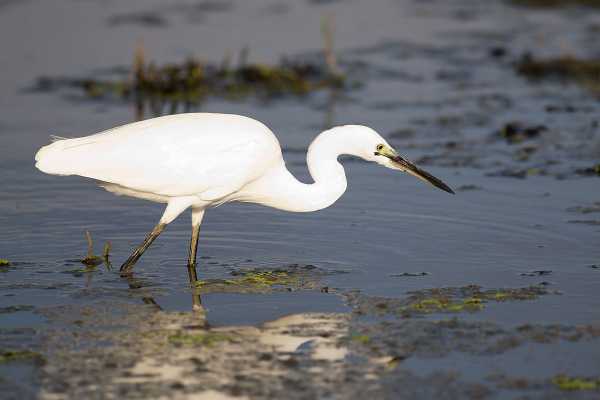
203, 160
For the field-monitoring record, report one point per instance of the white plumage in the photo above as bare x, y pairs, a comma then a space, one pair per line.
205, 155
200, 160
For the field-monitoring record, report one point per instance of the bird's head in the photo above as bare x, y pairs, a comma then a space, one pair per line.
372, 147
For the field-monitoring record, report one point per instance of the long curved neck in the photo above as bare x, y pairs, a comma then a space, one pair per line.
280, 189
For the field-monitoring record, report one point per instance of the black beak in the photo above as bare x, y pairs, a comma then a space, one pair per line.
412, 169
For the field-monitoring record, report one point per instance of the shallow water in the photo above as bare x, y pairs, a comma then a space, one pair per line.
428, 79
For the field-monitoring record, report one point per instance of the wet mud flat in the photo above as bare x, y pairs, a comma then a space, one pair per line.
377, 350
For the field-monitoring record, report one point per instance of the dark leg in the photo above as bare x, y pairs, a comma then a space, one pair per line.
196, 301
197, 215
192, 254
137, 253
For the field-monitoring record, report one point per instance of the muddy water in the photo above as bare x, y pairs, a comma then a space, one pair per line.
432, 81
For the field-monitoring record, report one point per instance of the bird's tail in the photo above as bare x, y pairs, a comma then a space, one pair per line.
51, 158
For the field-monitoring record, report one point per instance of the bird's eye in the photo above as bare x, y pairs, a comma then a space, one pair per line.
379, 147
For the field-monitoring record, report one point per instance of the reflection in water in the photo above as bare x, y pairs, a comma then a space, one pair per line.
136, 284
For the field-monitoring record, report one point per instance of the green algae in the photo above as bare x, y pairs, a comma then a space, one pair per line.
260, 280
208, 339
567, 383
441, 300
467, 299
446, 305
267, 278
363, 339
7, 356
4, 265
252, 281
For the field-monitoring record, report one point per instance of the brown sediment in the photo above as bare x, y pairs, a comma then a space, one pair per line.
92, 260
516, 132
566, 68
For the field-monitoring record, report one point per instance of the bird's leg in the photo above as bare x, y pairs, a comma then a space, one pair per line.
137, 253
197, 215
175, 207
192, 254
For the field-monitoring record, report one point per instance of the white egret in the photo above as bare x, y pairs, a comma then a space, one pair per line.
202, 160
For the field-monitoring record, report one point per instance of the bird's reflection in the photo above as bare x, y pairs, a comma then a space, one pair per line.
136, 283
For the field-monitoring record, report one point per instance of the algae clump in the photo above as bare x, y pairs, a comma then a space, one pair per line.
585, 73
199, 339
260, 280
564, 382
19, 355
363, 339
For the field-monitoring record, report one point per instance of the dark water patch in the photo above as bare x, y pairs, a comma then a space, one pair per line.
435, 339
556, 3
466, 188
594, 170
19, 381
323, 2
569, 109
516, 132
32, 285
593, 222
147, 19
16, 308
205, 6
528, 371
400, 383
541, 272
409, 274
518, 173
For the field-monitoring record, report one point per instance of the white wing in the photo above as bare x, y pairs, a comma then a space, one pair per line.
209, 155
